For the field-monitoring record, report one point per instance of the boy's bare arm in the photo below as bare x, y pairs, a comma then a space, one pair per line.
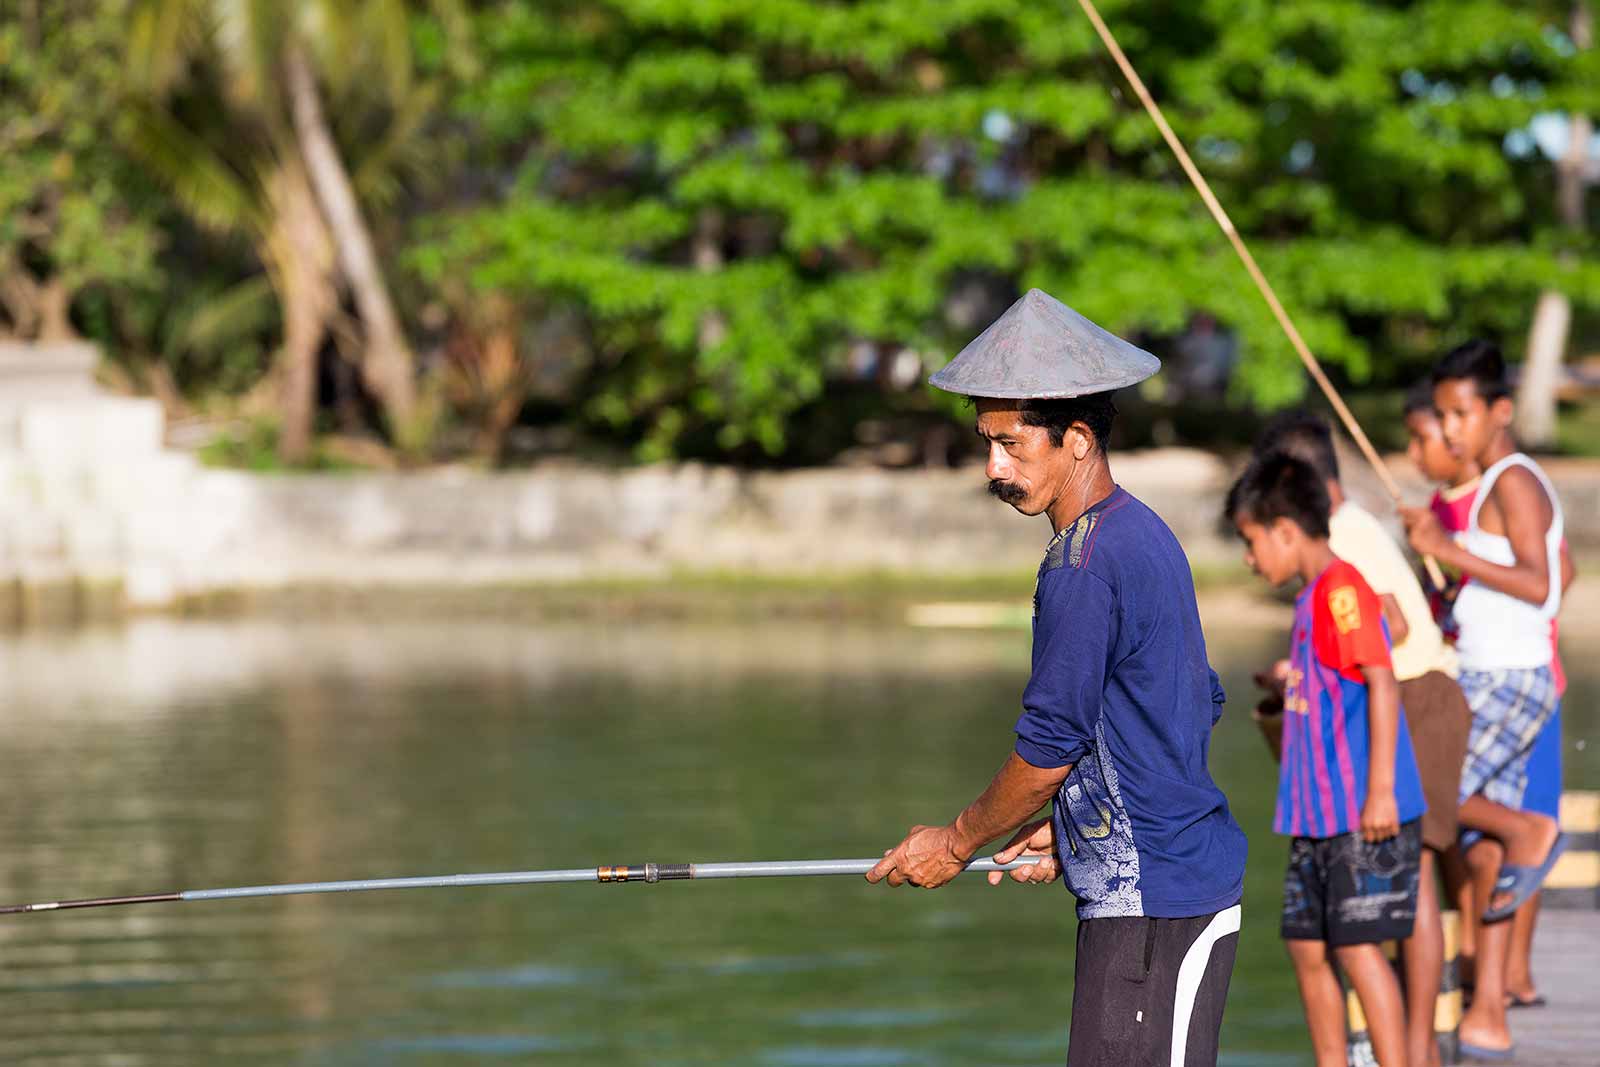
1399, 629
1528, 514
1380, 815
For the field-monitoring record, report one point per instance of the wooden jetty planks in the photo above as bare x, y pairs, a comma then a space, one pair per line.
1565, 1033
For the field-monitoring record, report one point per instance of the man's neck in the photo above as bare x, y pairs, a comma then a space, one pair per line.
1076, 496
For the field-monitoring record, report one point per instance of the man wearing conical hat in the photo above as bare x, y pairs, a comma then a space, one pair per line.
1116, 717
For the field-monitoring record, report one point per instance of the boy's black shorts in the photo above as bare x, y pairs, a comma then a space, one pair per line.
1150, 991
1346, 891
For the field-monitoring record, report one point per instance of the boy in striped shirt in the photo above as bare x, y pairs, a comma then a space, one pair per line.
1349, 795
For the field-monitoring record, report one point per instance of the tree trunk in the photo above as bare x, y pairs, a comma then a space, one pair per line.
1541, 369
300, 259
1552, 318
503, 377
55, 308
387, 364
706, 251
38, 310
16, 298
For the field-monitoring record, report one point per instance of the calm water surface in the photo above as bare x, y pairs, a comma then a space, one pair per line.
166, 755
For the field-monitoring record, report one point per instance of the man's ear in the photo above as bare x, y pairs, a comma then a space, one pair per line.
1082, 440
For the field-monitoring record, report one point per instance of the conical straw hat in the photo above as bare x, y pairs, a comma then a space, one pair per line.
1040, 349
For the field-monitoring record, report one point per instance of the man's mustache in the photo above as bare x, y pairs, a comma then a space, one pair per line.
1010, 493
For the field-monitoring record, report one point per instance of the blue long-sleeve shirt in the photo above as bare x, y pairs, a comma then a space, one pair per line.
1121, 690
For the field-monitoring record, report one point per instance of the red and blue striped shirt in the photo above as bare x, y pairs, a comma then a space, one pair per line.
1338, 629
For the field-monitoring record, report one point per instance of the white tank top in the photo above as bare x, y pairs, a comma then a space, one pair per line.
1500, 631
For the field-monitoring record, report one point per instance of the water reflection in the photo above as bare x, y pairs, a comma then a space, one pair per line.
172, 755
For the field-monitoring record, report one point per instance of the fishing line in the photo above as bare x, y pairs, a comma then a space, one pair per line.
1435, 575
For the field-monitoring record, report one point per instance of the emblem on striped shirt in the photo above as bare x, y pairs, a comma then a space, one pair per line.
1346, 608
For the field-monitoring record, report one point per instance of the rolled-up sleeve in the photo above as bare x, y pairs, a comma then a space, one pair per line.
1072, 636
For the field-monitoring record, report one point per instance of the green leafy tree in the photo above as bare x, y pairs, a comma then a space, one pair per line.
75, 213
734, 192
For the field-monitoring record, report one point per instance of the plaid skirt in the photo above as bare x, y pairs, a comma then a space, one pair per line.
1509, 708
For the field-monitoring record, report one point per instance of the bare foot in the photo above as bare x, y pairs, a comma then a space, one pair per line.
1474, 1032
1521, 993
1528, 850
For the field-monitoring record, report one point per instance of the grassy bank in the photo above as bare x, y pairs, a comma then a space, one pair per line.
1228, 593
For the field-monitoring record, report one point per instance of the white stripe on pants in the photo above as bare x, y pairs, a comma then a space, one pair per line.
1190, 974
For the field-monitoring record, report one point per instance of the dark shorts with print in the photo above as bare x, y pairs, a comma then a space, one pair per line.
1346, 891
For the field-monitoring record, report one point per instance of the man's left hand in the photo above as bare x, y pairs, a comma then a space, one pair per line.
1037, 838
928, 857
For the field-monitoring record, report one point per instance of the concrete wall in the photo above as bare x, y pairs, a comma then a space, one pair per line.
90, 498
162, 527
563, 522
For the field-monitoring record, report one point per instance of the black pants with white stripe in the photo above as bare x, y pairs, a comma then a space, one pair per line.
1149, 992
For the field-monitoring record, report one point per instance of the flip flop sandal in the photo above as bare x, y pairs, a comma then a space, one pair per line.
1479, 1052
1535, 1001
1523, 882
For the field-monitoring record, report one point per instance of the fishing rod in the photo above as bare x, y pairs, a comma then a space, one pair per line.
1313, 368
641, 872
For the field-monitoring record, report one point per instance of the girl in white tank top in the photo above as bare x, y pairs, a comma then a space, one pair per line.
1500, 631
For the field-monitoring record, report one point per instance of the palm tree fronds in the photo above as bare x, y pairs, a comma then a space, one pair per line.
400, 149
363, 48
246, 39
227, 318
456, 20
158, 36
212, 191
389, 23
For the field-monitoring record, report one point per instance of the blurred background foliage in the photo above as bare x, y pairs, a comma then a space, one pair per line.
748, 229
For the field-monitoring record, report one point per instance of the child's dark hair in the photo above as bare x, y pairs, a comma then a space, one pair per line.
1419, 398
1280, 486
1302, 434
1479, 362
